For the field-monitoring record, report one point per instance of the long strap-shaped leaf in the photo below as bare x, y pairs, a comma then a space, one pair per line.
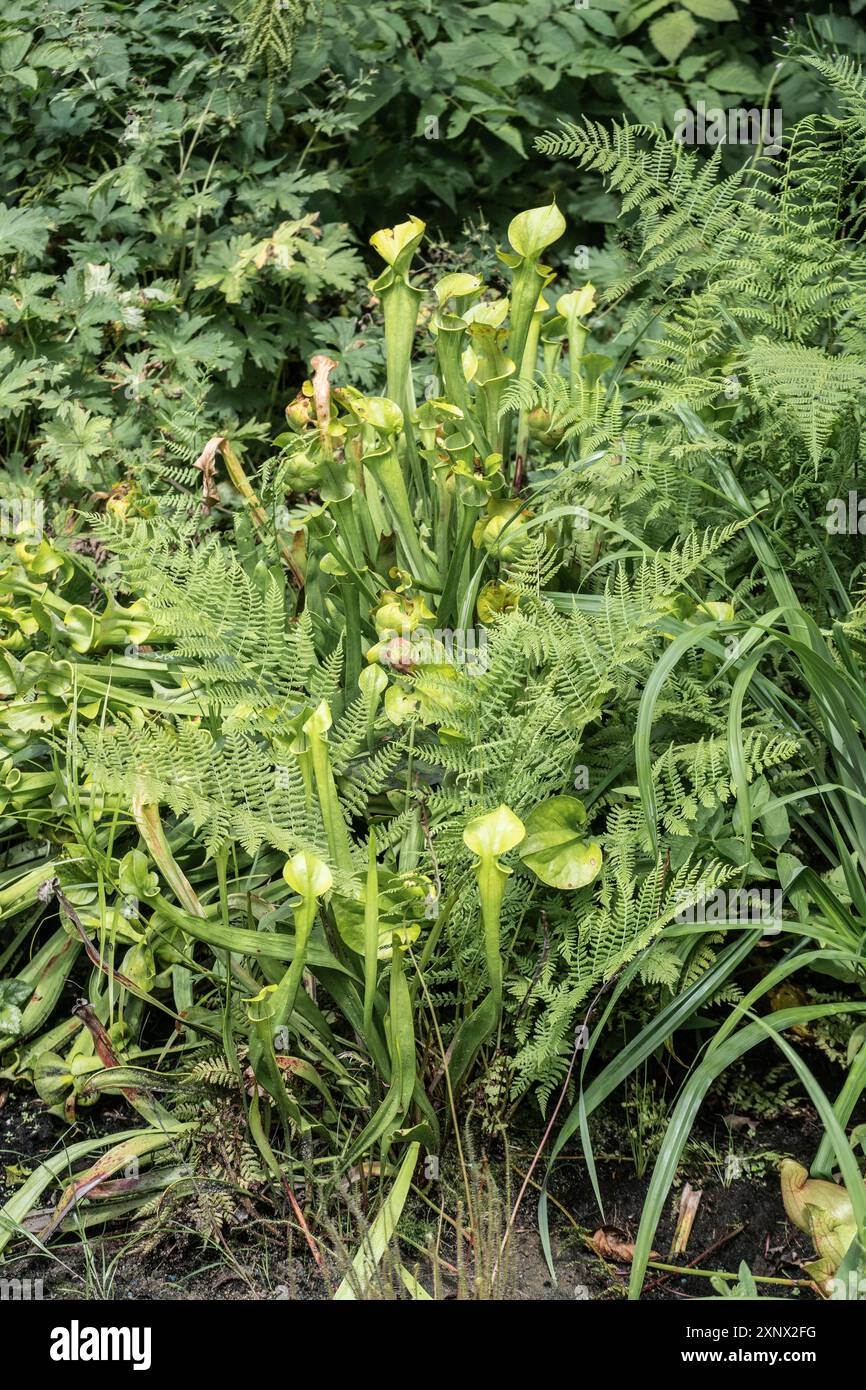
25, 1199
381, 1232
636, 1051
686, 1109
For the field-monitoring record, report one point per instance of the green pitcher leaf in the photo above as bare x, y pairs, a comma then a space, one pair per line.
308, 875
532, 231
494, 834
396, 245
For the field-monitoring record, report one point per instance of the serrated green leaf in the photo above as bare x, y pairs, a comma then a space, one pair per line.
21, 383
12, 51
672, 34
735, 76
75, 440
22, 230
54, 55
719, 10
13, 996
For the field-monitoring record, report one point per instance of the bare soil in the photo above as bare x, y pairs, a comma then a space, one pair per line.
731, 1158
